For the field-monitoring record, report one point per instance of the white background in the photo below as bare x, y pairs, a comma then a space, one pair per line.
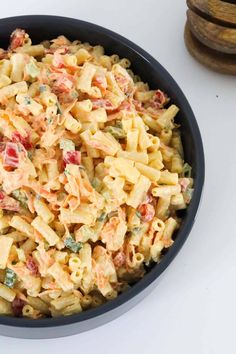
193, 308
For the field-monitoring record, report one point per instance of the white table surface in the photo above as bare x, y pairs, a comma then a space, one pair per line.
193, 308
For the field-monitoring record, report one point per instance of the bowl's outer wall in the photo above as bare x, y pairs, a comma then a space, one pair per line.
75, 328
49, 27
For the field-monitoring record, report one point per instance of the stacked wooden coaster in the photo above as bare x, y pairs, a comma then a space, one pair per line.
210, 33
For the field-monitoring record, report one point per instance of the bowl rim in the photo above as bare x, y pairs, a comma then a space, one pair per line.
183, 233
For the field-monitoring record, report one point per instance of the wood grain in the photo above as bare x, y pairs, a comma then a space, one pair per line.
220, 62
219, 11
214, 36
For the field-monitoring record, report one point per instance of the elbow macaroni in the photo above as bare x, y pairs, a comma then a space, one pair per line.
92, 176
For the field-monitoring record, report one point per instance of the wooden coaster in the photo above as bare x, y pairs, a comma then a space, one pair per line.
220, 62
219, 11
212, 35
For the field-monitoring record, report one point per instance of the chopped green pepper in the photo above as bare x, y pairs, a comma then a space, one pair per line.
72, 244
102, 217
10, 278
32, 69
187, 170
20, 196
27, 100
117, 132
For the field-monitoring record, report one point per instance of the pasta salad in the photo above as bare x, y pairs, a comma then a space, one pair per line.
92, 176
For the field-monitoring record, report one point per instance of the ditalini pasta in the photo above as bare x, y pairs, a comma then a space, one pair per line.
92, 176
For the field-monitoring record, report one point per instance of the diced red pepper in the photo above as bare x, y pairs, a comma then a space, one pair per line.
11, 155
72, 157
160, 97
100, 82
158, 100
63, 50
125, 105
17, 38
25, 141
184, 183
121, 80
17, 306
102, 103
32, 266
119, 259
2, 195
57, 60
138, 106
62, 84
147, 212
8, 203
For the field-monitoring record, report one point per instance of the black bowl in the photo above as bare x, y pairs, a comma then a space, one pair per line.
48, 27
